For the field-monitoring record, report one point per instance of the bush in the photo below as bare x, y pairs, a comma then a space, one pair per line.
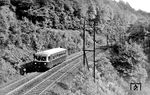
22, 4
25, 38
3, 23
127, 59
27, 27
4, 2
42, 2
3, 40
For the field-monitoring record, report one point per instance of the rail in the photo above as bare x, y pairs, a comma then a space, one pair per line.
39, 83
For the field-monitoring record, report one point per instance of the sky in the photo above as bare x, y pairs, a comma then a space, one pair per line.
139, 4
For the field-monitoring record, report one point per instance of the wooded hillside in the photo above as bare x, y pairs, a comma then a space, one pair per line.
28, 26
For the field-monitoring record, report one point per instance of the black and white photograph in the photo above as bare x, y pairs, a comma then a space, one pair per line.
74, 47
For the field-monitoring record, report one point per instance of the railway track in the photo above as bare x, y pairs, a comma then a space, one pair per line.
39, 84
4, 90
48, 88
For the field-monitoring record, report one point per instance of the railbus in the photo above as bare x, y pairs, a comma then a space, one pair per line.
46, 59
50, 58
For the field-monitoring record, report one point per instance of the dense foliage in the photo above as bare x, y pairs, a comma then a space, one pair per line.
130, 61
28, 26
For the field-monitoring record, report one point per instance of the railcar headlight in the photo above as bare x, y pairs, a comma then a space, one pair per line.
45, 63
35, 63
24, 69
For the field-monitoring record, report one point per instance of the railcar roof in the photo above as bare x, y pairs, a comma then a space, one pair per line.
50, 51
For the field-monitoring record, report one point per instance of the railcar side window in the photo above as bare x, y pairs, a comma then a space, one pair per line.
57, 55
35, 57
40, 58
43, 58
49, 58
54, 56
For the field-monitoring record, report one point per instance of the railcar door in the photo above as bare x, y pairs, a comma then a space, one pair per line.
49, 63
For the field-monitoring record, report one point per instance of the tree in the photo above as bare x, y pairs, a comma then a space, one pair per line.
129, 60
25, 38
137, 33
55, 21
3, 40
42, 2
91, 12
4, 2
33, 42
22, 4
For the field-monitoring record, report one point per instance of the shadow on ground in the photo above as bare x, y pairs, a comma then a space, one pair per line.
62, 85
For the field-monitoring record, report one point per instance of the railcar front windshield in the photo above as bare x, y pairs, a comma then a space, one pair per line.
40, 58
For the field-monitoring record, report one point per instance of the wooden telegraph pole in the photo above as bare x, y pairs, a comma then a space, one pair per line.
85, 62
94, 50
84, 55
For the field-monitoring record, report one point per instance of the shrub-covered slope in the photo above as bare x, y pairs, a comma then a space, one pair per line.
28, 26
